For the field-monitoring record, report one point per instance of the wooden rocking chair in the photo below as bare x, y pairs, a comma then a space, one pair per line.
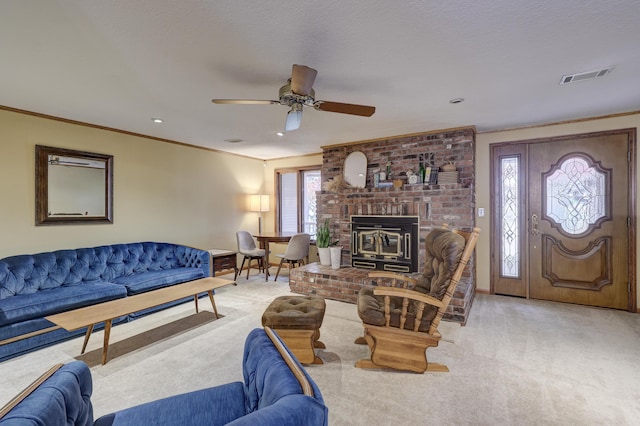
401, 321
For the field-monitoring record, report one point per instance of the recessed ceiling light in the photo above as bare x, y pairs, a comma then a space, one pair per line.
456, 100
157, 120
234, 140
280, 134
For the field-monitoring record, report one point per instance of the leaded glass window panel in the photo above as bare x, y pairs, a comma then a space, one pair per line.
575, 195
510, 214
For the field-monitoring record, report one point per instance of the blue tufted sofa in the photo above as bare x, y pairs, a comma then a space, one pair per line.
34, 286
276, 391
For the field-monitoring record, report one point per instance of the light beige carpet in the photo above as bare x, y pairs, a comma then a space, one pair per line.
515, 362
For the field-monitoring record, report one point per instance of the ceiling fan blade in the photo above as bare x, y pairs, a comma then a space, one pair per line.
302, 78
245, 101
363, 110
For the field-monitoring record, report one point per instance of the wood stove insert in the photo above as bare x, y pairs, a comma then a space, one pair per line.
386, 243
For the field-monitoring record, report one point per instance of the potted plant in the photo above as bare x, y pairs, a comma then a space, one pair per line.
323, 241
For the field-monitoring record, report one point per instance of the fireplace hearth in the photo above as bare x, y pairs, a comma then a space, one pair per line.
386, 243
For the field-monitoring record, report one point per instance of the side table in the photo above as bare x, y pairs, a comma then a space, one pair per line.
223, 260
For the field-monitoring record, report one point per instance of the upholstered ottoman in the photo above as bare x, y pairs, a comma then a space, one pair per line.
297, 320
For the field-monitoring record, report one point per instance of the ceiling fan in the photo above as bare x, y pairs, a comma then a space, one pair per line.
298, 93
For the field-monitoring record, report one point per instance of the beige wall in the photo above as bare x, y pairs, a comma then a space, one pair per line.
483, 142
162, 191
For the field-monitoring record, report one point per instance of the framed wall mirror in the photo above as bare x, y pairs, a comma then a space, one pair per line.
73, 187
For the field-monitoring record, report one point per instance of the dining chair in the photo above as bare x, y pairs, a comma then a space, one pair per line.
297, 251
247, 248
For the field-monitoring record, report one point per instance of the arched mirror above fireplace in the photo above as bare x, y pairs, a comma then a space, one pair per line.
355, 169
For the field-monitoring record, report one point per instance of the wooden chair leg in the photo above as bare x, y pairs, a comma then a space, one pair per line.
242, 265
248, 267
278, 271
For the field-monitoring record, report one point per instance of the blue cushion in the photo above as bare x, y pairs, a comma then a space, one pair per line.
152, 280
291, 410
213, 406
135, 258
46, 302
63, 399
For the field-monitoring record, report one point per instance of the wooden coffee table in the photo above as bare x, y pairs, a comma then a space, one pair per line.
106, 312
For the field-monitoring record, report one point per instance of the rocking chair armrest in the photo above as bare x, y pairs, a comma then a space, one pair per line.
393, 276
409, 294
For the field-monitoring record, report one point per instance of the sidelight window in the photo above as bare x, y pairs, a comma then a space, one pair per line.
510, 214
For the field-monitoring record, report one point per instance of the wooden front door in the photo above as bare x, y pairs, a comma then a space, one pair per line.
565, 221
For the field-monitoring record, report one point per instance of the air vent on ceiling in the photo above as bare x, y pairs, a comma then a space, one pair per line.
234, 140
572, 78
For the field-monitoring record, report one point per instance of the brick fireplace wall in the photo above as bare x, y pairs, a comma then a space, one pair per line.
433, 204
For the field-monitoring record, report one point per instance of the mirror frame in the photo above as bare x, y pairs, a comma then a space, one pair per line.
42, 186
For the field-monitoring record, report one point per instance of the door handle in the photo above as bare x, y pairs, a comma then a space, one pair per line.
534, 224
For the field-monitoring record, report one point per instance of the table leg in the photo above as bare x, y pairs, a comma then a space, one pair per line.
266, 260
105, 344
195, 299
86, 338
213, 303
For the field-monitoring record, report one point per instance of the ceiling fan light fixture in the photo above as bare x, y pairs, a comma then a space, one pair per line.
294, 117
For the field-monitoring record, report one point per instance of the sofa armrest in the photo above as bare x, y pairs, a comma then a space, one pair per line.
62, 394
195, 258
28, 390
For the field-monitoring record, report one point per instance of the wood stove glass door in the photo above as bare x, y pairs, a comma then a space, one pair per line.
368, 242
389, 243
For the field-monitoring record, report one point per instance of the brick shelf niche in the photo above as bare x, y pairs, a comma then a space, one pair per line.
433, 204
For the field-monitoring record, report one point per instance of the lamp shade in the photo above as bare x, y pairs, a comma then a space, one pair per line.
259, 203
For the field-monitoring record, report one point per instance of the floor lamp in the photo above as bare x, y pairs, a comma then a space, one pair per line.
259, 203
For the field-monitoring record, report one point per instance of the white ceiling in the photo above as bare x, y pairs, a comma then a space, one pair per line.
118, 63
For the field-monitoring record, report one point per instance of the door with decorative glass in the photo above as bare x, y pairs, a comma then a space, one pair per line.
565, 219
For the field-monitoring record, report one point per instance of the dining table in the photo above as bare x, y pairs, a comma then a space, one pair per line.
265, 238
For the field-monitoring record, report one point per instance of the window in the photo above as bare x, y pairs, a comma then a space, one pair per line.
511, 216
296, 199
576, 195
